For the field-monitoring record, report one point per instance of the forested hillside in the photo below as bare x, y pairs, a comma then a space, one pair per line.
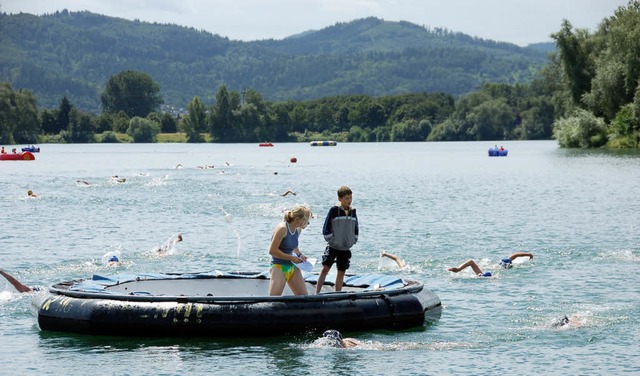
73, 54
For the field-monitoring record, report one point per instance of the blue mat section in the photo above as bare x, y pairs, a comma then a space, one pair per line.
99, 282
362, 280
366, 280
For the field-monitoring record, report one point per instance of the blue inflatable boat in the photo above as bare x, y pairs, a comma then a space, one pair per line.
498, 152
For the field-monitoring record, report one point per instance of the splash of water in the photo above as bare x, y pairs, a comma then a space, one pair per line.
229, 219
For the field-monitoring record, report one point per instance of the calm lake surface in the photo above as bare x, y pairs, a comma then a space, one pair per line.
434, 204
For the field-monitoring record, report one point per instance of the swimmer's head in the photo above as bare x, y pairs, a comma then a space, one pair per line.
485, 274
179, 237
29, 192
113, 258
506, 263
334, 336
562, 322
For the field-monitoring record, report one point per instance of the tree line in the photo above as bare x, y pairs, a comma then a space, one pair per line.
130, 103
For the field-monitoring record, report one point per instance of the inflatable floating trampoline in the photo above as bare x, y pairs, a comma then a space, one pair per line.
26, 156
323, 143
229, 304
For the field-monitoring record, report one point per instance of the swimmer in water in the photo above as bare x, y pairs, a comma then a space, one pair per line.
31, 194
336, 339
573, 321
169, 244
506, 263
397, 259
564, 321
17, 284
113, 262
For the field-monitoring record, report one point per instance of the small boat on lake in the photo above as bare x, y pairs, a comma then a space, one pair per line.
323, 143
265, 144
31, 149
25, 156
498, 152
217, 304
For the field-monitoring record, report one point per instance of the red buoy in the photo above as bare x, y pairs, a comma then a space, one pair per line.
293, 159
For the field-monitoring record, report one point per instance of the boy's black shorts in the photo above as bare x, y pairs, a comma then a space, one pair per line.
341, 258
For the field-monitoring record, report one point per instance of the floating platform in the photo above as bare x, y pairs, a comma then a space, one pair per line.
323, 143
230, 304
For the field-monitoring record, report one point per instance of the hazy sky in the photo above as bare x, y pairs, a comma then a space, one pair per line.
516, 21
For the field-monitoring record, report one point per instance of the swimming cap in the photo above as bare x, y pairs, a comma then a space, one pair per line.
334, 337
506, 263
113, 258
333, 334
485, 274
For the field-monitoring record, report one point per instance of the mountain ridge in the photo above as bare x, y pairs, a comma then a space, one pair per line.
74, 53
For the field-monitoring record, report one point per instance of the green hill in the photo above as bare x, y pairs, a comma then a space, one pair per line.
74, 53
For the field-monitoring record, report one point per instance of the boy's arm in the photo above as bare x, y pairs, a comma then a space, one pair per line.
327, 228
357, 229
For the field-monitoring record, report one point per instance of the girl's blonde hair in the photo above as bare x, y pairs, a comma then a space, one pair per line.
299, 211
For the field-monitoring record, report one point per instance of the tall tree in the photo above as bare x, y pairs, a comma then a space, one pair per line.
143, 130
18, 116
27, 125
618, 65
48, 121
7, 113
80, 129
135, 93
577, 61
168, 123
62, 120
195, 120
222, 125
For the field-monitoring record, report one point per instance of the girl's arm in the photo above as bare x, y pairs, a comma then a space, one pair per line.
302, 257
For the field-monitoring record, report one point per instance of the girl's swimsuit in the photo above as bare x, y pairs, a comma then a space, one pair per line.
287, 270
287, 245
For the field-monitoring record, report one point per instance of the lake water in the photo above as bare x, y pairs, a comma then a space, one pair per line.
434, 204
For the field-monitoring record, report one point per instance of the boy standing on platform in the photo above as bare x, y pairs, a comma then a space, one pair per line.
340, 230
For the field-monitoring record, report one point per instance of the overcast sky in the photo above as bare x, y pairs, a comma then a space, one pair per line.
517, 21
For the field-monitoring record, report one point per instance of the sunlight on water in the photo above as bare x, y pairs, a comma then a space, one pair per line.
5, 295
621, 255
